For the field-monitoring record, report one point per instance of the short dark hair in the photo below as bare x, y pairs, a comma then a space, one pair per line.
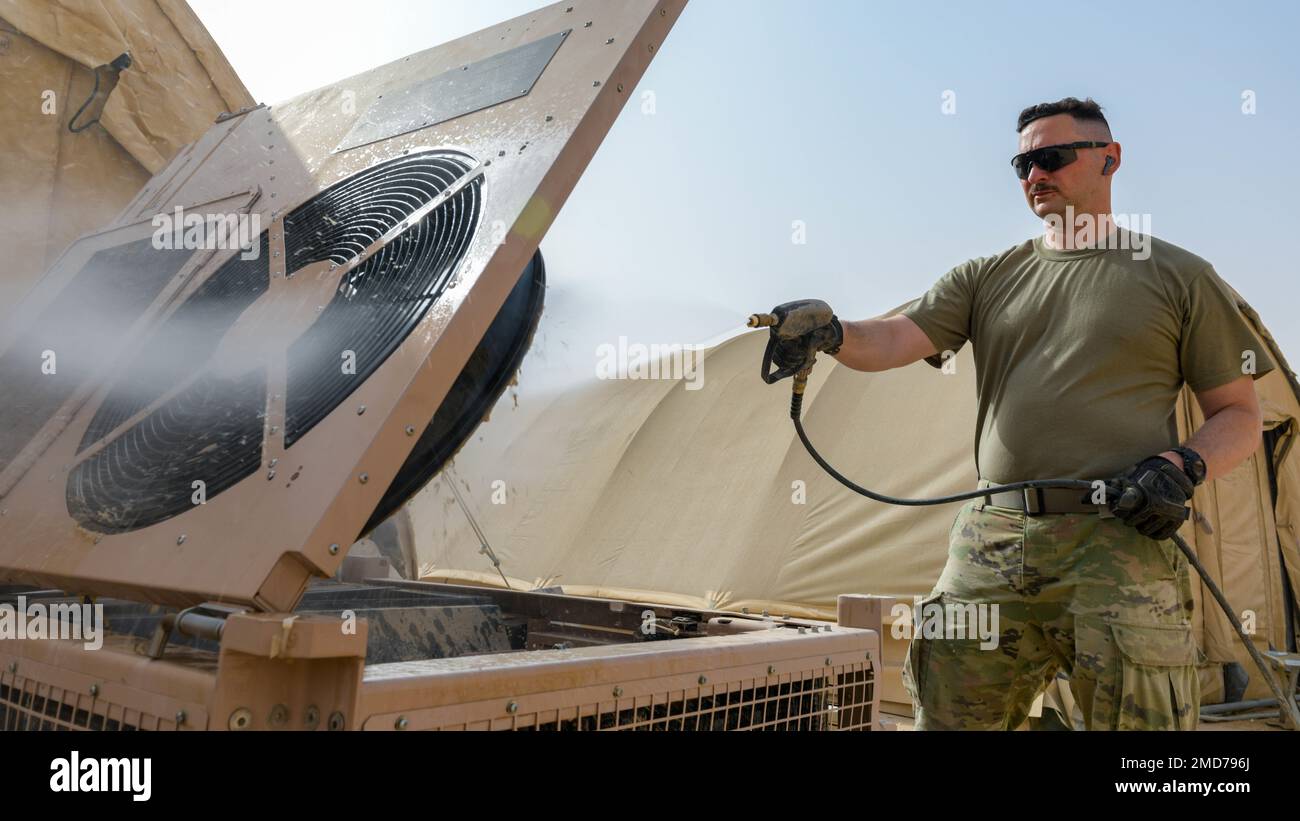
1083, 110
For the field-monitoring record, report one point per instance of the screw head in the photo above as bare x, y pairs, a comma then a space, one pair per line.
828, 662
618, 692
771, 669
94, 689
279, 716
361, 409
703, 679
410, 430
180, 539
311, 718
512, 707
334, 549
13, 667
336, 721
401, 723
180, 717
240, 719
363, 478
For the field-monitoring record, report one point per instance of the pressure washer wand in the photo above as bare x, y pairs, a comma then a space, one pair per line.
1287, 705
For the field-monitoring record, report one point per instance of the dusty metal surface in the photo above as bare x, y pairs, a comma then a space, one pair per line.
456, 92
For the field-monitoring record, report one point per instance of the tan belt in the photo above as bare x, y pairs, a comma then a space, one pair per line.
1040, 501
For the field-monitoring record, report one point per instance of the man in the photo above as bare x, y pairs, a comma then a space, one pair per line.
1083, 338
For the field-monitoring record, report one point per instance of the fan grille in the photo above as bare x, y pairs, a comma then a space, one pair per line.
211, 430
382, 300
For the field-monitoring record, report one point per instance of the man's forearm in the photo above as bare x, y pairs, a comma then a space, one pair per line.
1225, 440
866, 345
882, 343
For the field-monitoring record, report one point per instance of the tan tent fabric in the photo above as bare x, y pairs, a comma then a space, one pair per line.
70, 184
179, 81
646, 490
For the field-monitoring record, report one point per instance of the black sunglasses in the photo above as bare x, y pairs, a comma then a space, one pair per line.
1050, 158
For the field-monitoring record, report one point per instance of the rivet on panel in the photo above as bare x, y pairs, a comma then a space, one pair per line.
363, 478
279, 716
240, 719
410, 430
334, 550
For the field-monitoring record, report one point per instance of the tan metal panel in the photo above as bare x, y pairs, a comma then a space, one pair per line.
260, 541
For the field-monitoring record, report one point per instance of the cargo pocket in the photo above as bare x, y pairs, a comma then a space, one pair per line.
918, 657
1154, 679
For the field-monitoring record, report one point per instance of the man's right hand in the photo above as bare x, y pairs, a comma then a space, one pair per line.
805, 327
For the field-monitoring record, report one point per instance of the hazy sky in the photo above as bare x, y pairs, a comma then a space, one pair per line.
831, 112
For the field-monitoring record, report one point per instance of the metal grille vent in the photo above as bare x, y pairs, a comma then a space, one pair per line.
27, 704
810, 700
184, 417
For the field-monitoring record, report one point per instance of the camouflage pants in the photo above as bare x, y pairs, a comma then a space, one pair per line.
1074, 592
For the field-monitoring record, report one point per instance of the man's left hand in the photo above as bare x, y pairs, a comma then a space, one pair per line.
1152, 497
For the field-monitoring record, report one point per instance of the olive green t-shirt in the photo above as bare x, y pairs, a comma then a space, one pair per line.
1080, 355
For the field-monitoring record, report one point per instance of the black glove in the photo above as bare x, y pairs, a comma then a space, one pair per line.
1152, 497
806, 327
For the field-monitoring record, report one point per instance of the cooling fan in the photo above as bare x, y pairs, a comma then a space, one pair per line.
223, 424
375, 251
